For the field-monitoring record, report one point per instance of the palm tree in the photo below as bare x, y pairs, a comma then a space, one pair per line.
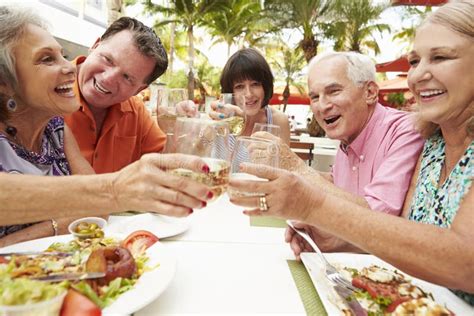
188, 14
287, 63
353, 25
304, 15
233, 24
415, 15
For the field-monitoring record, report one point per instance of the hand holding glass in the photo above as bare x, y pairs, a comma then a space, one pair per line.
230, 108
253, 150
209, 140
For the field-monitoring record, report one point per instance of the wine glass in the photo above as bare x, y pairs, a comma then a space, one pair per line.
228, 109
207, 139
255, 150
269, 128
167, 100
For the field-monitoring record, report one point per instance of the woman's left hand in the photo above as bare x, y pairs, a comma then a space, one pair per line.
285, 194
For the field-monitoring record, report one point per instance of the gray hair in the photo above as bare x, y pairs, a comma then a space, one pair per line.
360, 68
13, 23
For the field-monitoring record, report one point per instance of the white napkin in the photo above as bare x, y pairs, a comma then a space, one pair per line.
160, 225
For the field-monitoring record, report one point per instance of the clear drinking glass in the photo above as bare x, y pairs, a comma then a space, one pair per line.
269, 128
255, 150
227, 102
167, 100
209, 140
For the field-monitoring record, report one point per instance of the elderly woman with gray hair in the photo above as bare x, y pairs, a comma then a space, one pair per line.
36, 89
434, 241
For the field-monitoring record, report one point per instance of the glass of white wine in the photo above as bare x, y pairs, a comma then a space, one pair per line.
209, 140
229, 105
255, 150
167, 100
269, 128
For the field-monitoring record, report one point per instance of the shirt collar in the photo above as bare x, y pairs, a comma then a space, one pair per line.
359, 143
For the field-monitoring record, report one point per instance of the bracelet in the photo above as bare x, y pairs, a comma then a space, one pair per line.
54, 224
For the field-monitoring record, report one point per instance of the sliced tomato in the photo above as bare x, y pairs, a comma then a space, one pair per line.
139, 241
3, 260
76, 304
391, 308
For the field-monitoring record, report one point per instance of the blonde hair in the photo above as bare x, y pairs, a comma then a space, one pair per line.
458, 17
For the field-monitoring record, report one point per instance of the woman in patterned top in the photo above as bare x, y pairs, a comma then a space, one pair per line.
435, 239
36, 89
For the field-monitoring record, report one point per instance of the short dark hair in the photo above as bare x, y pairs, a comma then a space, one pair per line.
247, 64
146, 41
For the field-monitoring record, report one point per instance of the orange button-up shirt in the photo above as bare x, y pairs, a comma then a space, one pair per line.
127, 133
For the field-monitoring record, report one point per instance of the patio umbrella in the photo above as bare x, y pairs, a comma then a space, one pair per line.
295, 96
398, 84
398, 65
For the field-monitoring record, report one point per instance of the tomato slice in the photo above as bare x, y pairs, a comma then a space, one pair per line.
76, 304
139, 241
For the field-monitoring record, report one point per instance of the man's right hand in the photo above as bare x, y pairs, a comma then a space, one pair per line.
146, 186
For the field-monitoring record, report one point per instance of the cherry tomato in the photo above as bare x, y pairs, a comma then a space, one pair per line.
138, 241
76, 304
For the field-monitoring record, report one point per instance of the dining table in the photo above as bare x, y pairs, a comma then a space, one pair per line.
229, 263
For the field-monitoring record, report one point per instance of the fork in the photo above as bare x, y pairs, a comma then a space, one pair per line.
332, 273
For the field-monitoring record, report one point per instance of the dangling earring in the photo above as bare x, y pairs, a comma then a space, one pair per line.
11, 105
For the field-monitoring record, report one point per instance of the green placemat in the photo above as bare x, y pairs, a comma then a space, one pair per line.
267, 221
311, 301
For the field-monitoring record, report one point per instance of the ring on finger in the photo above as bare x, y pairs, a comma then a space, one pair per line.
263, 203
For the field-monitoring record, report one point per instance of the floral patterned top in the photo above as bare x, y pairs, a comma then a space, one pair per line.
438, 205
50, 161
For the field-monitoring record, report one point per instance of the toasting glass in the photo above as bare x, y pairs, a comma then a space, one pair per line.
207, 139
255, 150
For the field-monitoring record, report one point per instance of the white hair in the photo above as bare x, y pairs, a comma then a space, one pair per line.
360, 68
13, 22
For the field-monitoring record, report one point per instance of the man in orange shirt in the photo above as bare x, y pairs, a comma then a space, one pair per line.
112, 126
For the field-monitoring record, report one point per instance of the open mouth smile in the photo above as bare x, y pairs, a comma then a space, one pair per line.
331, 119
429, 94
65, 89
100, 88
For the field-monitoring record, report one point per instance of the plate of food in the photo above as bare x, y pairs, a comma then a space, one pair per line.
111, 274
160, 225
382, 289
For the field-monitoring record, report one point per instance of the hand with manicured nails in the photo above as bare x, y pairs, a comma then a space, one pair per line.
146, 186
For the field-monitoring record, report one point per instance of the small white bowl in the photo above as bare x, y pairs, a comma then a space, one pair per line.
50, 307
96, 220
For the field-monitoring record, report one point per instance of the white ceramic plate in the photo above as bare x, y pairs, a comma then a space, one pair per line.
160, 225
148, 287
316, 270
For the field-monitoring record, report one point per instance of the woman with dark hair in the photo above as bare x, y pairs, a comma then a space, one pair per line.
248, 73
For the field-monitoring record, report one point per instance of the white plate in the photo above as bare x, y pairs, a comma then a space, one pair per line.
160, 225
316, 270
148, 287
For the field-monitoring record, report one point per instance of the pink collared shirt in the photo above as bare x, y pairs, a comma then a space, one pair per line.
379, 163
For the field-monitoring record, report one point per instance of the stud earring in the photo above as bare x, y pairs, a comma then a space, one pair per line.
11, 105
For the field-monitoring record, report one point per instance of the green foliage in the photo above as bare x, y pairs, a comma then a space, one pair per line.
353, 25
396, 99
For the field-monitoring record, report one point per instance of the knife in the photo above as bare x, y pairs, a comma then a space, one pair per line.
350, 300
36, 253
70, 276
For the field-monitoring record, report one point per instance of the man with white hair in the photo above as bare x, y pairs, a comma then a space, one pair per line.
379, 146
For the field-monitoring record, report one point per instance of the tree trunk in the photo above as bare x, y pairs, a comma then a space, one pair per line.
286, 95
310, 47
191, 63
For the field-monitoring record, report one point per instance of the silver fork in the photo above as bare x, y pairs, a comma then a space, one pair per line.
331, 272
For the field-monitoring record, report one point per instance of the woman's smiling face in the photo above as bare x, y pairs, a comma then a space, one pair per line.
442, 74
254, 95
45, 77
